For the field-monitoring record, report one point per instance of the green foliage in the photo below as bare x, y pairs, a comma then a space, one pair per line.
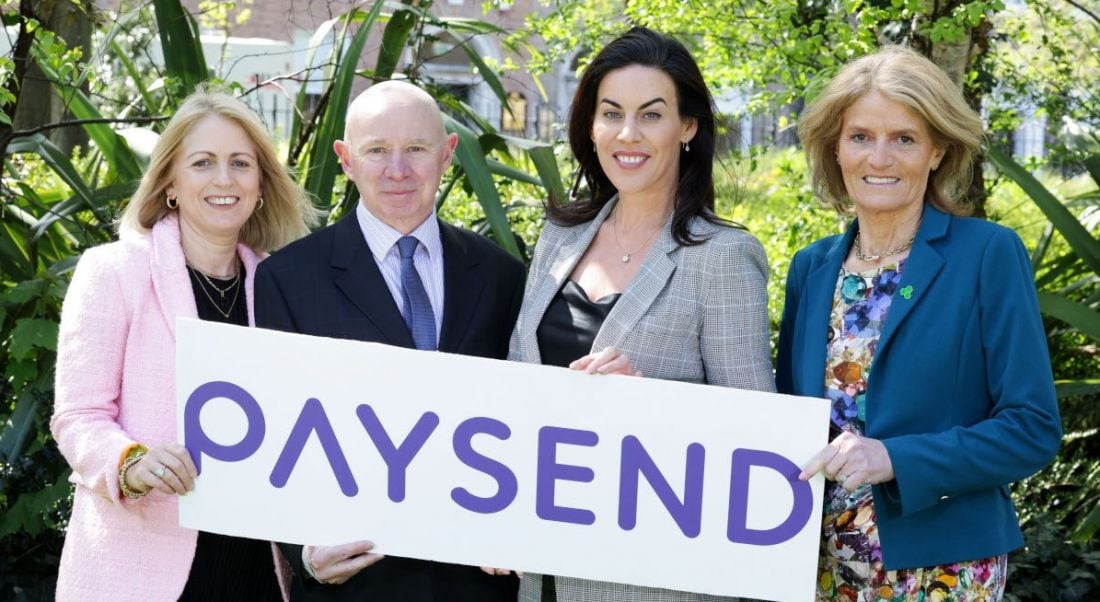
1051, 568
1058, 507
484, 160
777, 51
1046, 58
765, 193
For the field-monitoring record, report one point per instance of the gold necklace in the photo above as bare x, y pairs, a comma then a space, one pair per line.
236, 293
884, 254
236, 279
626, 254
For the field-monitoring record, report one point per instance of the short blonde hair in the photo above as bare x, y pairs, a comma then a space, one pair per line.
286, 213
905, 77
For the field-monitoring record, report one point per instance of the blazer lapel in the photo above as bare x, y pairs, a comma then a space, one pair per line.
249, 259
640, 293
363, 284
168, 268
574, 242
921, 268
819, 289
463, 285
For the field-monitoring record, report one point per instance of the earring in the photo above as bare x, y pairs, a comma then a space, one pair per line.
594, 147
687, 148
260, 205
171, 202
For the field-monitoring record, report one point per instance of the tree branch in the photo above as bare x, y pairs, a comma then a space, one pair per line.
7, 138
1088, 12
72, 122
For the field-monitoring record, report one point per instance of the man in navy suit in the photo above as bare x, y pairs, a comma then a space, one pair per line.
391, 272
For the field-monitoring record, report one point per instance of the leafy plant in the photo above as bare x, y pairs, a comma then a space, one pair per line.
1051, 568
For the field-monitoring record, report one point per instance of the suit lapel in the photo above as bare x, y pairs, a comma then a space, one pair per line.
463, 285
171, 283
921, 268
362, 282
820, 287
574, 242
642, 291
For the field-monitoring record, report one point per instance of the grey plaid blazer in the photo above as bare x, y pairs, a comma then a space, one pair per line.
694, 314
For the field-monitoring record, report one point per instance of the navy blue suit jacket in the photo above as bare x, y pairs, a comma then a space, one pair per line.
961, 391
328, 284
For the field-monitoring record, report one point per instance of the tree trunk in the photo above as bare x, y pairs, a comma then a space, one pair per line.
38, 103
957, 58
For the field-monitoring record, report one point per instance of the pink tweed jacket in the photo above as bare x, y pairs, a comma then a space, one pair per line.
116, 385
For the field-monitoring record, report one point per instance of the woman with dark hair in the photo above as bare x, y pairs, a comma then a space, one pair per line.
638, 276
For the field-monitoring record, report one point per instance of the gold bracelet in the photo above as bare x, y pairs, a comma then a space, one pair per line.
122, 485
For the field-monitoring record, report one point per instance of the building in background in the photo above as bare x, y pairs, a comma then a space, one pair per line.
269, 54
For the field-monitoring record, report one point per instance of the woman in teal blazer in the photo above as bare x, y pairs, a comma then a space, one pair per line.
960, 400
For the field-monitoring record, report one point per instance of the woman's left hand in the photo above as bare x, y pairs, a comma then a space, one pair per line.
851, 460
608, 361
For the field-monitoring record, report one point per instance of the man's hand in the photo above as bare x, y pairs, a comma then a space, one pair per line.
334, 565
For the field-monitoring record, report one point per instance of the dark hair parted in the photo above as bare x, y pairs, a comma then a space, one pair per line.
695, 188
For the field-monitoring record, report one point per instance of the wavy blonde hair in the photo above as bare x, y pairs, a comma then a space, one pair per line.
905, 77
286, 213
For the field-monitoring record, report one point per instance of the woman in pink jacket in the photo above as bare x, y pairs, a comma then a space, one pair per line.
213, 200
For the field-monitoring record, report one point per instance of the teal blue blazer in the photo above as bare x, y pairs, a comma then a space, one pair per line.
961, 391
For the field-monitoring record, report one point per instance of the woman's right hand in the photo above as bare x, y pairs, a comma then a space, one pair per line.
166, 468
608, 361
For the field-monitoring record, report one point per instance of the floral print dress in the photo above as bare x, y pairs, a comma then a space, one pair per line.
851, 567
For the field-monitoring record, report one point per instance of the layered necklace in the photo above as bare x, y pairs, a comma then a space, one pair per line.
217, 294
869, 258
873, 258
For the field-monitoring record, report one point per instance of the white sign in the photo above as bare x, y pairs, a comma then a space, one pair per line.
483, 462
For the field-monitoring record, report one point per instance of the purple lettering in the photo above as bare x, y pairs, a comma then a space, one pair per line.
737, 529
397, 458
196, 441
636, 461
507, 485
549, 472
313, 419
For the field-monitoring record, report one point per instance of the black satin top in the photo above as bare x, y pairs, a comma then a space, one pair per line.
570, 324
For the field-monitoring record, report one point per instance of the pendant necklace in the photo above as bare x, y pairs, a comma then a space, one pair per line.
627, 254
221, 292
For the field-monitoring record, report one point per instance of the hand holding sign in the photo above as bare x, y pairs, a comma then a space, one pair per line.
851, 460
334, 565
608, 361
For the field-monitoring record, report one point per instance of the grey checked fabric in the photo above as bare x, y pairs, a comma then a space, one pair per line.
694, 314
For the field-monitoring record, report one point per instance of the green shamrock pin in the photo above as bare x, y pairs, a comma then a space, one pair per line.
907, 291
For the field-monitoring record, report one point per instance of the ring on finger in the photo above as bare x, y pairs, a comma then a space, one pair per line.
840, 478
159, 471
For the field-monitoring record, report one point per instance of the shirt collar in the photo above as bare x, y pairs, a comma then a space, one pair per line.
382, 238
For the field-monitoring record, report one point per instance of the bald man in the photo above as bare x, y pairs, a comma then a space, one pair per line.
391, 272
